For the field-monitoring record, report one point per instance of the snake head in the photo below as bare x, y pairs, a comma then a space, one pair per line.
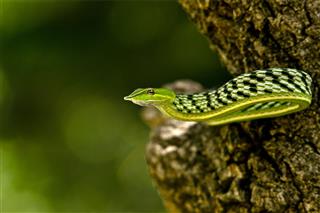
151, 96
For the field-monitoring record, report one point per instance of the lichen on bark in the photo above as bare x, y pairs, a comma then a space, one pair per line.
268, 165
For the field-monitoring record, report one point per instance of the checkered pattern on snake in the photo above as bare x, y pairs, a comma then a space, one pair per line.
259, 82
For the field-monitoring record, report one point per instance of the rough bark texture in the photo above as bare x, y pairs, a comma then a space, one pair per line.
269, 165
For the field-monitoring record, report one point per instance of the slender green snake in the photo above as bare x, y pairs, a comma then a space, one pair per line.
259, 94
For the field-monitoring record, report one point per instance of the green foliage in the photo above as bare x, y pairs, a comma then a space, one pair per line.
68, 141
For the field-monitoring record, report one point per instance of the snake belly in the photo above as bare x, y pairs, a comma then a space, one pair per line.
259, 94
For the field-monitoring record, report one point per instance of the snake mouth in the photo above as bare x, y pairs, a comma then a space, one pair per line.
128, 98
133, 94
138, 102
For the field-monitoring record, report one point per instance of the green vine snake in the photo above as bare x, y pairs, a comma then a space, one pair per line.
259, 94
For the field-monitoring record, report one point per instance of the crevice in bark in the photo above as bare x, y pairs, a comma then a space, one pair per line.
300, 201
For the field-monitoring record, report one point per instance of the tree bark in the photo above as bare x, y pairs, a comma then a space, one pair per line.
268, 165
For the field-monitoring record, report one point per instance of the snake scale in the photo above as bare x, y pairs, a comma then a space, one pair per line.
259, 94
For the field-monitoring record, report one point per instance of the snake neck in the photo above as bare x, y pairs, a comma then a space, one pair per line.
196, 103
188, 107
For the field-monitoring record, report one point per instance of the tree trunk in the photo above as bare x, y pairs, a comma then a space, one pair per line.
268, 165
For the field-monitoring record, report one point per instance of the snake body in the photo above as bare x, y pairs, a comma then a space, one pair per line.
259, 94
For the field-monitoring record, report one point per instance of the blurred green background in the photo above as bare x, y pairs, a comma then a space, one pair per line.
68, 141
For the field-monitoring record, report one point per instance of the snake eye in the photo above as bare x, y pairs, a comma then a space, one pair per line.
150, 92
